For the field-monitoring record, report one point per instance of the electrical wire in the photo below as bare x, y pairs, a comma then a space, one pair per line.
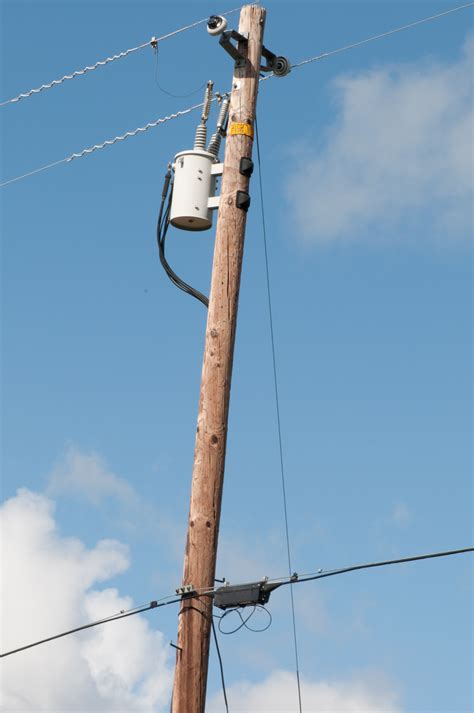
110, 142
321, 574
210, 591
244, 622
383, 34
221, 666
138, 610
153, 42
155, 604
172, 94
277, 404
353, 45
262, 79
161, 232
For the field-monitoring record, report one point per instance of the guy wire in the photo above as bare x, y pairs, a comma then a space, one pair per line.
277, 404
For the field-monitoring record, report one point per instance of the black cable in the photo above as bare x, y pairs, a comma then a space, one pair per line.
166, 91
122, 615
161, 232
277, 582
224, 692
155, 604
277, 403
243, 621
321, 574
260, 607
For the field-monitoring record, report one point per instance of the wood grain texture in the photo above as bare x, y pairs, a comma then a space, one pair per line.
189, 693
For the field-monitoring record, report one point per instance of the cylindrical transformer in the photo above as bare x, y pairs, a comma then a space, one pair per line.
193, 186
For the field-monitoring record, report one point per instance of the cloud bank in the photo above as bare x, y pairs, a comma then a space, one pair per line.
277, 694
397, 160
49, 585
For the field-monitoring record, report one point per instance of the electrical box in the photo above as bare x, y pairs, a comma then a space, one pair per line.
194, 188
241, 595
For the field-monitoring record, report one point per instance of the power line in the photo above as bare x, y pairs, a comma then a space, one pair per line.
104, 144
153, 42
197, 106
381, 35
278, 581
155, 604
321, 574
277, 405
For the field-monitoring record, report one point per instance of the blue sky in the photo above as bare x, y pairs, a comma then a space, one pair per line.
367, 171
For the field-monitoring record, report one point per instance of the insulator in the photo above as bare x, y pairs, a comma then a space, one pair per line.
215, 143
201, 137
207, 101
221, 119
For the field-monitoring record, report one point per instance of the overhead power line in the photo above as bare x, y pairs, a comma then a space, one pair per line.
321, 574
277, 582
155, 604
381, 35
152, 124
104, 144
153, 42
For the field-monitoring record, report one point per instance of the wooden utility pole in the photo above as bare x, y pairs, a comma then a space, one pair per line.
189, 692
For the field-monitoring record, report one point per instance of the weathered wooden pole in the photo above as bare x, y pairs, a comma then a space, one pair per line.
189, 692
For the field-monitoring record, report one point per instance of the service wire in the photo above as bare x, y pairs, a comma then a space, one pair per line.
154, 604
276, 582
321, 574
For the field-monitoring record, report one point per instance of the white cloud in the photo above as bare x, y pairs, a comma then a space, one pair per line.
277, 694
398, 158
48, 587
87, 475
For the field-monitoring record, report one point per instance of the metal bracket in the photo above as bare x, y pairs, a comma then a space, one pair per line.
225, 42
217, 169
279, 65
269, 60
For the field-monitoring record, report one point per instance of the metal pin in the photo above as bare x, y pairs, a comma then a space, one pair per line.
175, 646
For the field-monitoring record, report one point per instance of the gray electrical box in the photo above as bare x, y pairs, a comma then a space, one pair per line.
241, 595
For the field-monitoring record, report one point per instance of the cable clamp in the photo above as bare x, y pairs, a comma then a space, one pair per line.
185, 589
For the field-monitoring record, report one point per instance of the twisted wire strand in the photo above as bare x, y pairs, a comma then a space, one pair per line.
153, 42
109, 142
128, 134
77, 73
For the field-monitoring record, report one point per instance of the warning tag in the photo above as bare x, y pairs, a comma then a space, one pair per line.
237, 129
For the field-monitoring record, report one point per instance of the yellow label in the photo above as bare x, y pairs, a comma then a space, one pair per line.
237, 129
